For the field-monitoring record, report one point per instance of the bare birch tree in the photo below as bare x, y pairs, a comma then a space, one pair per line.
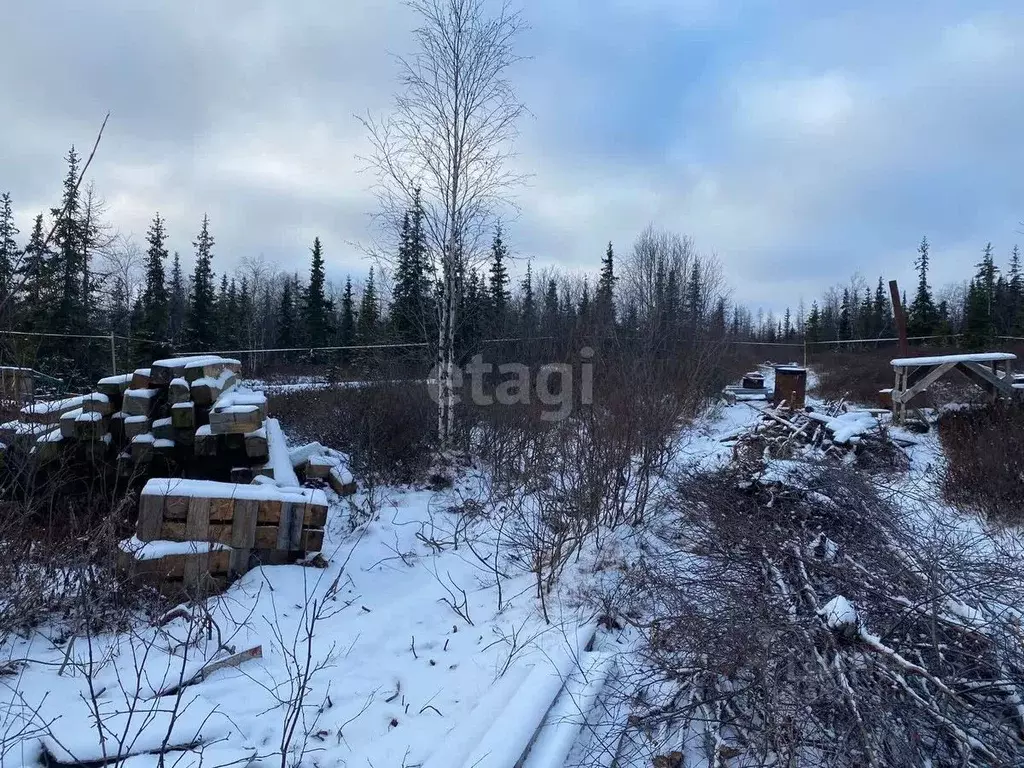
450, 137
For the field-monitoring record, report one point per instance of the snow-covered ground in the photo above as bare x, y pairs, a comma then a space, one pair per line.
406, 650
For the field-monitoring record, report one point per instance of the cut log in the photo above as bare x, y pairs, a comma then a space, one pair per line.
140, 379
90, 426
185, 436
142, 448
256, 445
97, 402
241, 474
206, 442
242, 397
211, 367
49, 446
320, 467
114, 386
135, 426
207, 389
341, 481
163, 429
116, 427
183, 416
67, 423
235, 419
140, 402
178, 391
49, 412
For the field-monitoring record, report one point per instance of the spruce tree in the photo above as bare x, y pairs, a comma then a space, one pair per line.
605, 298
286, 317
70, 308
812, 328
154, 303
35, 277
922, 310
528, 323
178, 302
881, 311
201, 319
550, 311
369, 312
318, 307
499, 295
347, 333
10, 257
1015, 291
409, 305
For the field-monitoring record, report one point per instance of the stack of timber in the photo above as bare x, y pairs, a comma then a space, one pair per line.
198, 534
222, 492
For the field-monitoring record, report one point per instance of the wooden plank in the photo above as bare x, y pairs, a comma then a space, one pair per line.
176, 507
243, 527
244, 419
272, 511
205, 444
173, 566
256, 445
161, 374
140, 379
140, 402
312, 539
288, 511
206, 391
97, 402
142, 450
151, 518
163, 429
924, 382
183, 416
222, 509
239, 562
197, 526
178, 391
135, 426
295, 526
346, 486
261, 536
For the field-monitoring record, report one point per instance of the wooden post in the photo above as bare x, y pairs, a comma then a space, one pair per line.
900, 316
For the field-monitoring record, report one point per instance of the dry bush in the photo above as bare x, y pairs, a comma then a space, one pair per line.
984, 471
59, 531
388, 429
742, 667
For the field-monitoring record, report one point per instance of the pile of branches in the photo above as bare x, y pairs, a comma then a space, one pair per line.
836, 432
808, 622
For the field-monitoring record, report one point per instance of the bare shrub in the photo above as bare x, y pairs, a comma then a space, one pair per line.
749, 655
984, 470
388, 429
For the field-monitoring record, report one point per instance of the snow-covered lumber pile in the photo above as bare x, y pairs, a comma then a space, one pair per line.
200, 532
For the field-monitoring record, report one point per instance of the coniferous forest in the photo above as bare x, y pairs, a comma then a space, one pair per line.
72, 275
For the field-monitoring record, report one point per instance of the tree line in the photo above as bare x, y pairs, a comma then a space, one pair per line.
972, 312
84, 279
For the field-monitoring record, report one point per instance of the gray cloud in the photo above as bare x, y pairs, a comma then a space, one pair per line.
797, 148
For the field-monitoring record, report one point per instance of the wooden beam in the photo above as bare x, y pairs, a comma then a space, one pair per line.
986, 379
936, 373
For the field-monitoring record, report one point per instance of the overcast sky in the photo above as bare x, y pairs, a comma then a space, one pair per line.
800, 141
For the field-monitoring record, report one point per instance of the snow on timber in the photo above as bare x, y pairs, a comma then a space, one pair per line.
981, 357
